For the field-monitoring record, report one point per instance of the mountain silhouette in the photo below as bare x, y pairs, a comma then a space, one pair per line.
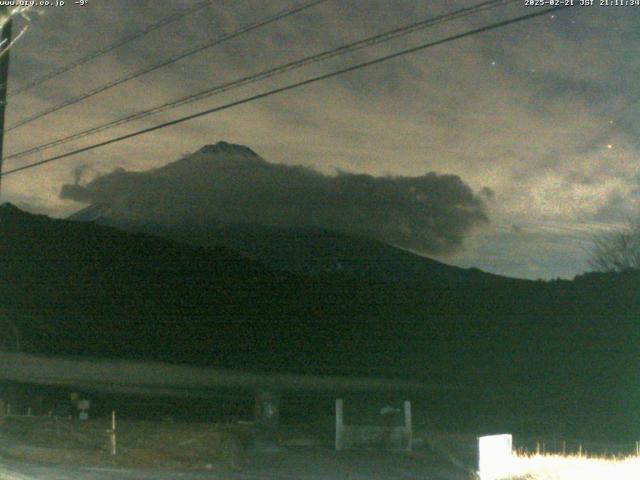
225, 184
561, 348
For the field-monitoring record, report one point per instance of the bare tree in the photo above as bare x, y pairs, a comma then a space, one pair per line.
616, 251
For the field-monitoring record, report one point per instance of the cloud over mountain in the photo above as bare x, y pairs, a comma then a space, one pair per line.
431, 213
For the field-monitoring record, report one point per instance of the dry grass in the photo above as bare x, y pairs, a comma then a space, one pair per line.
574, 467
461, 450
140, 444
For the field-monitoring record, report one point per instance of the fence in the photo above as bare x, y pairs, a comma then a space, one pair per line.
387, 436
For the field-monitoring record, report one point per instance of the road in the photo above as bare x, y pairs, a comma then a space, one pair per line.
307, 464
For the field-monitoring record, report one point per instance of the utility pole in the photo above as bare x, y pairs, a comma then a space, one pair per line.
5, 39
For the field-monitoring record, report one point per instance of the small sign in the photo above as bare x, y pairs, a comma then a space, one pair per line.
495, 456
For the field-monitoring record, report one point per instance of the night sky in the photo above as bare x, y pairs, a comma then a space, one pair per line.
539, 119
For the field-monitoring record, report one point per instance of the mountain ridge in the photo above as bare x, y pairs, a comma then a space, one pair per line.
225, 184
307, 250
79, 288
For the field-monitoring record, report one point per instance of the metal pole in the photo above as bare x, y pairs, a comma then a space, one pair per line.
5, 38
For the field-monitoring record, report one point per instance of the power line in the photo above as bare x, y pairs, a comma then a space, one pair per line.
269, 73
109, 48
291, 86
184, 54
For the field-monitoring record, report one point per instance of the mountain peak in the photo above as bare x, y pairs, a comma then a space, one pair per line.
228, 148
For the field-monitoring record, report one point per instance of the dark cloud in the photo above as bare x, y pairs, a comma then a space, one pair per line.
431, 213
78, 172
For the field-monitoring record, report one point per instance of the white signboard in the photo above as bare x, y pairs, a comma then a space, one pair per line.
494, 456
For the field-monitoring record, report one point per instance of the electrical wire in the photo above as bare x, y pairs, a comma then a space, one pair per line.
109, 48
184, 54
269, 73
289, 87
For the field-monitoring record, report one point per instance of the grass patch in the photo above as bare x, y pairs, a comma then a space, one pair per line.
574, 467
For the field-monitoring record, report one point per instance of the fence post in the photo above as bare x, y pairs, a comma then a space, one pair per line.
339, 424
408, 425
112, 433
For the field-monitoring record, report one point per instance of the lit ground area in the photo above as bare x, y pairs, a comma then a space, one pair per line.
54, 449
573, 467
